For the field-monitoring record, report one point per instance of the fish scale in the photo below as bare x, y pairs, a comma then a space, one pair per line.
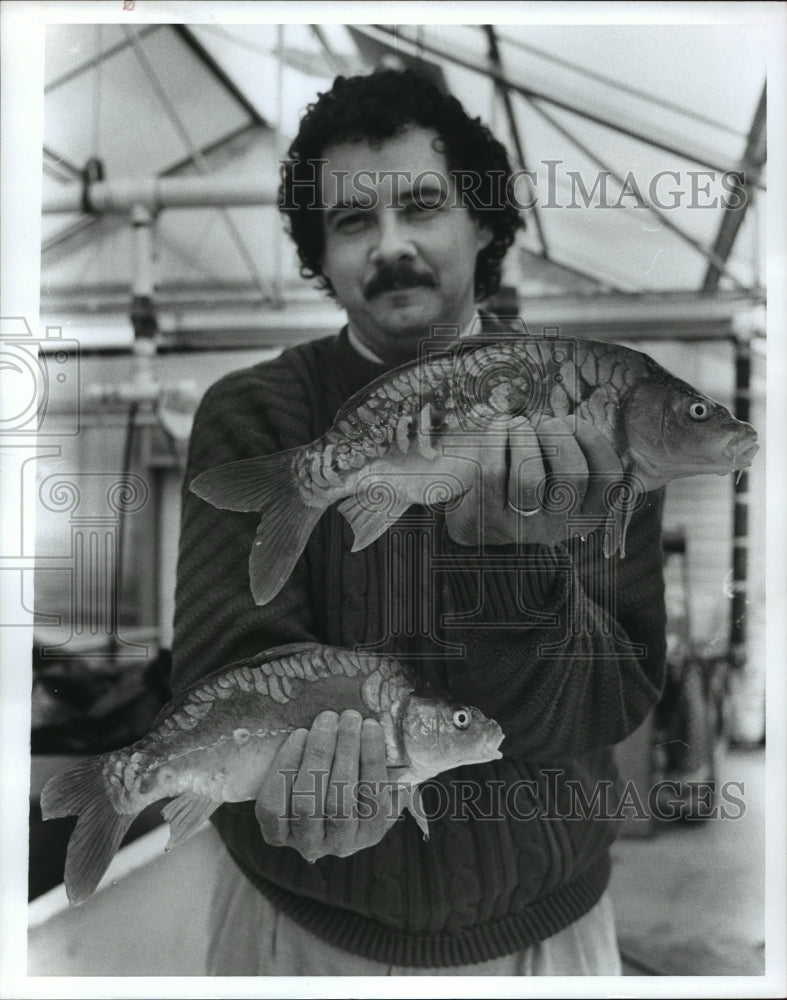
207, 748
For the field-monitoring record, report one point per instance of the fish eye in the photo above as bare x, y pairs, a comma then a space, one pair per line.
699, 410
461, 718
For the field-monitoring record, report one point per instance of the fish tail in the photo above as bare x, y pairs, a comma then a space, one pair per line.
82, 790
267, 484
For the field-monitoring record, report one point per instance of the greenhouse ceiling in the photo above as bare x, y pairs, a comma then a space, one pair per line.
629, 140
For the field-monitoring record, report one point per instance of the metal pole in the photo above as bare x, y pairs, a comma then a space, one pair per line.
494, 55
155, 193
740, 530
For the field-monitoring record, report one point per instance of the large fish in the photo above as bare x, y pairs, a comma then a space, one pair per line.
216, 742
395, 442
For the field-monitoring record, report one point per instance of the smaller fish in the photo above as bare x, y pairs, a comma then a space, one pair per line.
217, 741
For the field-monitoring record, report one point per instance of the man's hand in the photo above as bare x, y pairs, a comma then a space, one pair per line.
523, 484
318, 813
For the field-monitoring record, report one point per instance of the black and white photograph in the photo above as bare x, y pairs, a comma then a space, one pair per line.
393, 558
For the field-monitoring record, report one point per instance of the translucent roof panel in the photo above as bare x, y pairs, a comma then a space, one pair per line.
591, 107
123, 110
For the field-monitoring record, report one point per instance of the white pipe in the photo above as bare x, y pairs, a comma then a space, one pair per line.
143, 250
155, 193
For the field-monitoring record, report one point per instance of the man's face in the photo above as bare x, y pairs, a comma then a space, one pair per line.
399, 252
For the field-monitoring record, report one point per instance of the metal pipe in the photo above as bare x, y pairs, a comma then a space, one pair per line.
740, 530
155, 193
754, 158
199, 161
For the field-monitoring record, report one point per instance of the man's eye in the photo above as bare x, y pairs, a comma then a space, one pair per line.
352, 222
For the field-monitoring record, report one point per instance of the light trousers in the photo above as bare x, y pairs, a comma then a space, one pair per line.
251, 937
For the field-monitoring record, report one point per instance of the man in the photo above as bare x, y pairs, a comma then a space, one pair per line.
513, 878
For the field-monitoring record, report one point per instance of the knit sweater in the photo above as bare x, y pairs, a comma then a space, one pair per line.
518, 847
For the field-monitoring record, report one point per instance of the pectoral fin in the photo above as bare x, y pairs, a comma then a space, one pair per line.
413, 802
369, 525
615, 531
185, 815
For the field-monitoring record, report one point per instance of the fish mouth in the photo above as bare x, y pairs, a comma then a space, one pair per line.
741, 451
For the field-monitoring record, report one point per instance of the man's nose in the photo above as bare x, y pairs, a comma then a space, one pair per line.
393, 241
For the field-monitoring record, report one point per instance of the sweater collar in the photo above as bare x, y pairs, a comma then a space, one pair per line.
356, 367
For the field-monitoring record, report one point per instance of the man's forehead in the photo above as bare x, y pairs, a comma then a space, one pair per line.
410, 154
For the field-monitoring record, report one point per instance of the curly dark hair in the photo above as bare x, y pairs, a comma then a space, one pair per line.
376, 107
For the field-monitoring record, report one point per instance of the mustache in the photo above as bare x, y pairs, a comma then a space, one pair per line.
395, 277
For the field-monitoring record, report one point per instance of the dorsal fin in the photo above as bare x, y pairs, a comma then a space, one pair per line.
359, 398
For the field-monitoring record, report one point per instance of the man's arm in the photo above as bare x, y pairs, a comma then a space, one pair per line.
566, 650
587, 678
217, 621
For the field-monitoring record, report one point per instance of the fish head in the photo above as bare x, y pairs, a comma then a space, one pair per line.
440, 735
672, 430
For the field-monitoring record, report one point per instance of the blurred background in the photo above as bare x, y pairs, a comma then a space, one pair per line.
164, 265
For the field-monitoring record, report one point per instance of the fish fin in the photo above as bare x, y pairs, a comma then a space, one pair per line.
81, 790
359, 398
369, 525
281, 537
269, 485
250, 484
616, 529
414, 805
185, 815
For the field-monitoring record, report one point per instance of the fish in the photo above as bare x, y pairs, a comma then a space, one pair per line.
394, 442
216, 742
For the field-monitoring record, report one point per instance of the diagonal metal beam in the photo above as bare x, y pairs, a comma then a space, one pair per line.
330, 55
199, 50
660, 215
494, 55
112, 50
579, 272
209, 149
621, 87
199, 160
76, 235
754, 158
57, 165
702, 157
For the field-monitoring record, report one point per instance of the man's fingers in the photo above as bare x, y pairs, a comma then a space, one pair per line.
526, 467
604, 468
566, 481
310, 787
340, 821
272, 807
373, 790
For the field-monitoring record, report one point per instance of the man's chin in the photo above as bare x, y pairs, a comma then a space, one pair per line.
408, 312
